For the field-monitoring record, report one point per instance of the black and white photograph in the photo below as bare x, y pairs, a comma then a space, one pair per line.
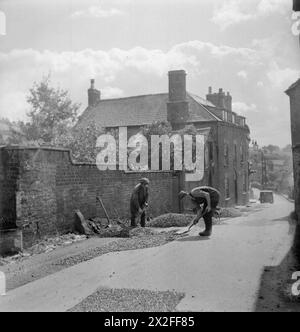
149, 158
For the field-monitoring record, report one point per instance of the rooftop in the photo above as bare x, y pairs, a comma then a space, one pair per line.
144, 110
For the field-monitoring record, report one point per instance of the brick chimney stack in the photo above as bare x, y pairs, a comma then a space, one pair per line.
296, 5
177, 105
94, 95
220, 99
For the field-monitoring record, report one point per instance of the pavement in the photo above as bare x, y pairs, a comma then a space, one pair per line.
222, 273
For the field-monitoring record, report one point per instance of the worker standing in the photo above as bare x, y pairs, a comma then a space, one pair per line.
205, 201
139, 202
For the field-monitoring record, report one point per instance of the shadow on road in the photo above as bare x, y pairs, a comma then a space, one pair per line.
275, 285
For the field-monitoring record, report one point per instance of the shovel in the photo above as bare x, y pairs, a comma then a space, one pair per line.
192, 224
185, 231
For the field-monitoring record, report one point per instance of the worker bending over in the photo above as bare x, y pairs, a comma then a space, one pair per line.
204, 201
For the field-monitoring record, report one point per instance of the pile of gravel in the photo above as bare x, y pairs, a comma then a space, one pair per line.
171, 220
129, 300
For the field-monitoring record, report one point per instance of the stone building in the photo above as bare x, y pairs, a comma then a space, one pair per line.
227, 144
294, 93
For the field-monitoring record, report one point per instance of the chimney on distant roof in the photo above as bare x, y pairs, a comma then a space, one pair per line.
296, 5
220, 99
178, 108
94, 95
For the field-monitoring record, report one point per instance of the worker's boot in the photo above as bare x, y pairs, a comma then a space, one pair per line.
208, 228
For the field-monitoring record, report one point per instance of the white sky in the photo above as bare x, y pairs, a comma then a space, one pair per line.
244, 46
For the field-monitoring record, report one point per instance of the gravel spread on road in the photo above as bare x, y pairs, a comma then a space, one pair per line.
28, 269
137, 242
129, 300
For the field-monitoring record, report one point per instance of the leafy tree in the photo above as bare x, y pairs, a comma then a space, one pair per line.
51, 111
272, 148
81, 141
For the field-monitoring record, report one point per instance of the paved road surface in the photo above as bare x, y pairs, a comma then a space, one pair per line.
219, 274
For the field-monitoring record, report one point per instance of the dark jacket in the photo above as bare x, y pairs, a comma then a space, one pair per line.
213, 193
139, 197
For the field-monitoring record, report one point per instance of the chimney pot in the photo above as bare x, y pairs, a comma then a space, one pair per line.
92, 83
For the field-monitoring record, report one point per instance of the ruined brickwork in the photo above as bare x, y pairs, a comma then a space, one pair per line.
43, 187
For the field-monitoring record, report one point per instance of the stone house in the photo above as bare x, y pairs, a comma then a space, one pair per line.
227, 144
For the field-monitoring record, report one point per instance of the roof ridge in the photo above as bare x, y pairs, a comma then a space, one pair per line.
131, 97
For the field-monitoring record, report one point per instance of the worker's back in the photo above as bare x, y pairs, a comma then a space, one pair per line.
197, 194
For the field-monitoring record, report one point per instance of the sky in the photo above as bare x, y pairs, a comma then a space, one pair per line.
245, 47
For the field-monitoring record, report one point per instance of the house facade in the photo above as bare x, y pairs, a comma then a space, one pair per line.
294, 94
227, 134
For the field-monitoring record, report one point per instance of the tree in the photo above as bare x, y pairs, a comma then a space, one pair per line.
81, 141
272, 148
51, 111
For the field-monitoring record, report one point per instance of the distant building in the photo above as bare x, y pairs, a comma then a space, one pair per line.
257, 166
227, 146
294, 93
271, 169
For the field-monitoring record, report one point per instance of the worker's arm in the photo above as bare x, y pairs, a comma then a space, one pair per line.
198, 216
206, 196
146, 197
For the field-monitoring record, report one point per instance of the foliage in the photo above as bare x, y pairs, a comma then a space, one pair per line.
51, 111
157, 128
164, 128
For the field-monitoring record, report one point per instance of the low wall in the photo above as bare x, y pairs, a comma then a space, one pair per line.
41, 188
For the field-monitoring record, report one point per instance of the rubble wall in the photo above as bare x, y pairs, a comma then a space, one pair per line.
45, 188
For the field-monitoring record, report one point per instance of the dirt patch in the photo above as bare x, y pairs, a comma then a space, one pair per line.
129, 300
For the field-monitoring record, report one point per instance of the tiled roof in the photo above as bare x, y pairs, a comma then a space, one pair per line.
141, 110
